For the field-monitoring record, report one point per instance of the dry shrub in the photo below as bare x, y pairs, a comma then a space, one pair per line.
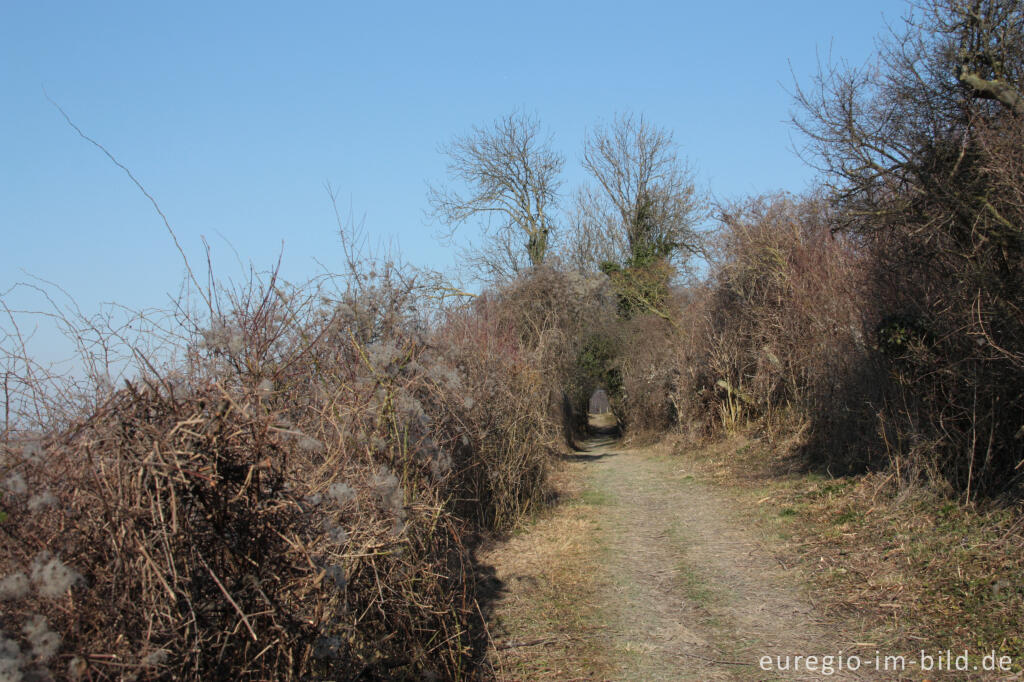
291, 493
516, 347
920, 151
648, 367
549, 311
513, 438
948, 278
572, 326
227, 533
777, 336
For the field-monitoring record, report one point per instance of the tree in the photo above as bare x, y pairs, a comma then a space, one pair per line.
592, 235
922, 154
989, 43
637, 222
645, 201
893, 136
511, 179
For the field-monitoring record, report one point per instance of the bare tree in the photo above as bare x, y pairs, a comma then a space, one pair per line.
989, 41
646, 205
891, 136
510, 175
637, 222
592, 235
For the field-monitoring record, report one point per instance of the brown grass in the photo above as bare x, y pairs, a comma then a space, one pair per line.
909, 568
545, 586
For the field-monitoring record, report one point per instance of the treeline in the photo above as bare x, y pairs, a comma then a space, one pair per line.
275, 481
878, 316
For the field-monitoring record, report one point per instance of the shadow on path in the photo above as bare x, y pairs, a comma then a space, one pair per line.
602, 440
588, 457
603, 435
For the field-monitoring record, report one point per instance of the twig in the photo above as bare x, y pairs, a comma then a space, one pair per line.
233, 603
163, 216
716, 661
516, 645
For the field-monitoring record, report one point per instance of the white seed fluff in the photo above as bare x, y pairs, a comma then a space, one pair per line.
14, 586
77, 668
337, 576
41, 501
52, 576
156, 658
265, 388
337, 535
9, 649
341, 493
32, 451
10, 661
311, 445
15, 484
45, 642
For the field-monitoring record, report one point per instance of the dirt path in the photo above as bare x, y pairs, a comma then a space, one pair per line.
646, 573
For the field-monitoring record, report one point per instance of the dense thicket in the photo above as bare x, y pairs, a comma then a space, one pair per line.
299, 496
922, 157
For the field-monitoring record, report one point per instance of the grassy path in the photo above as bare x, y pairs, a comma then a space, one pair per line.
646, 573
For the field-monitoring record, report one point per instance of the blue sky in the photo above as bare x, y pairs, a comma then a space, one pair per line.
234, 115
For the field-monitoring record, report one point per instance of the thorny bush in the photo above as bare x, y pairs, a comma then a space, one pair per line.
295, 496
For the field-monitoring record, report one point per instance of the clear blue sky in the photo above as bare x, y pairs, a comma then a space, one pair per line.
234, 115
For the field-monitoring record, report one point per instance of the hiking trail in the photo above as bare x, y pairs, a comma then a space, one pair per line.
644, 572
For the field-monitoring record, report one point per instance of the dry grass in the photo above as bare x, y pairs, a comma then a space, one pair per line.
542, 622
909, 568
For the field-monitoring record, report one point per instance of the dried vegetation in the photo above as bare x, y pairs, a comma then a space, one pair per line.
297, 493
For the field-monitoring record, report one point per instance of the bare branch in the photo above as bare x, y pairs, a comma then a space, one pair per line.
647, 205
510, 174
135, 181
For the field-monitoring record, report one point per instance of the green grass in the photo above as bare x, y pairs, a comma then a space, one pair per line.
693, 586
848, 516
596, 497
